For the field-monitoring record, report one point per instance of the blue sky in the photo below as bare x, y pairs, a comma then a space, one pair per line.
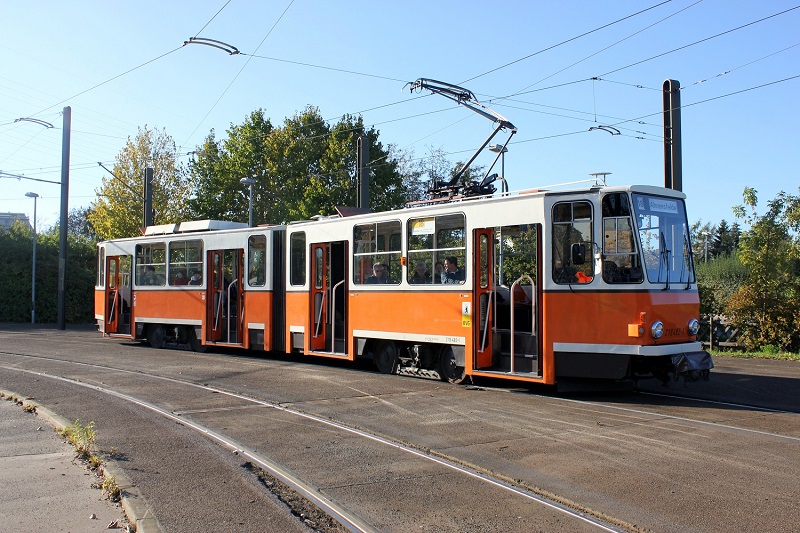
121, 65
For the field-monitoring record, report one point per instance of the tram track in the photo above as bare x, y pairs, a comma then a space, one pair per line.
643, 436
341, 514
609, 405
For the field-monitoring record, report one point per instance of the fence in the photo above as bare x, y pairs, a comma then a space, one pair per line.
719, 334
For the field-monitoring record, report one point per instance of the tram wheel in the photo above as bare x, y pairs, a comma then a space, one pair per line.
448, 367
194, 343
156, 335
385, 357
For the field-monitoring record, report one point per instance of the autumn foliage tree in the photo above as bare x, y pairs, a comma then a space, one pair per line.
766, 305
118, 210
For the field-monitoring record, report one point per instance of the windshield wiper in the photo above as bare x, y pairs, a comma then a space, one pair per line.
687, 260
665, 258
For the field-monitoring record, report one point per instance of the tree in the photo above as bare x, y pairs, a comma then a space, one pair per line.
301, 169
717, 281
725, 240
765, 306
118, 211
78, 223
440, 170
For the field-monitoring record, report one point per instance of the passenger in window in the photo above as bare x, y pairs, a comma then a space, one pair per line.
180, 278
149, 277
451, 273
197, 278
421, 275
380, 274
438, 268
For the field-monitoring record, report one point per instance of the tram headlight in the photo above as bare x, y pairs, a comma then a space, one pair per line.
657, 329
694, 326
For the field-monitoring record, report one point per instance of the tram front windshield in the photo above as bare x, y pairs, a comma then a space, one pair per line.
664, 235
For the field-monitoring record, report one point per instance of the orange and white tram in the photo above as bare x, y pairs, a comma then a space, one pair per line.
553, 287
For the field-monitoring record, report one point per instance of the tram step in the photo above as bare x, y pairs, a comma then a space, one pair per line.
525, 363
523, 342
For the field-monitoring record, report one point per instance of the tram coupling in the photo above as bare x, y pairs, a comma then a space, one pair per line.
692, 366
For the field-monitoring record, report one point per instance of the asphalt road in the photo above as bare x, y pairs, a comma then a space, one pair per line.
636, 461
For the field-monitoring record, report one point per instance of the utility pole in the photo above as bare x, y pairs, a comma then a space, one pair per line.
148, 197
673, 166
62, 246
362, 193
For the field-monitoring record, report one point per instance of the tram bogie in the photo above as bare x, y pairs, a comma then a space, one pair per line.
540, 287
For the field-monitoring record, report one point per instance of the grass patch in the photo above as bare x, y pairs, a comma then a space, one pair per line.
767, 353
111, 489
81, 437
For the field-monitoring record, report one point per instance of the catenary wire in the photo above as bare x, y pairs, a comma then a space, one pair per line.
212, 18
565, 42
237, 74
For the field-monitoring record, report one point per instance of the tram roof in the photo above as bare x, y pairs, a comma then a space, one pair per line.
197, 226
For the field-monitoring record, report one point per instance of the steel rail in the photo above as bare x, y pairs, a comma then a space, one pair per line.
441, 461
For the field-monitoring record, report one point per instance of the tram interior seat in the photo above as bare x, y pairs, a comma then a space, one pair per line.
124, 302
522, 308
612, 273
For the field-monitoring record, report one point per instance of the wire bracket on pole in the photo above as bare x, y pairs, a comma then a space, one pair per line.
466, 98
232, 50
608, 129
35, 121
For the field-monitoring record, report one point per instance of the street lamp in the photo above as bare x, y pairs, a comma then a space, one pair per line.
33, 274
706, 234
249, 182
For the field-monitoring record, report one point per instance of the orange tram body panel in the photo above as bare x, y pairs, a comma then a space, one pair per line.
568, 288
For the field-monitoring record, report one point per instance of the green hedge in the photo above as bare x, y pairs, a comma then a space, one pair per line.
16, 245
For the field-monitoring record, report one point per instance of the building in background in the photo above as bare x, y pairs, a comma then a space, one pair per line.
8, 219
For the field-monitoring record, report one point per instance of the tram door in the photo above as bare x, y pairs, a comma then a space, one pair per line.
224, 303
118, 295
328, 297
484, 300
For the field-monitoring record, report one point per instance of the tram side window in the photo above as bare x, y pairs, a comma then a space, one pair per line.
516, 251
572, 242
101, 267
297, 258
185, 259
434, 243
377, 253
621, 261
257, 260
151, 264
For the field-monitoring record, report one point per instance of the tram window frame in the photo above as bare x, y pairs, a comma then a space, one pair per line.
621, 261
186, 256
433, 239
152, 254
297, 258
569, 217
377, 243
257, 260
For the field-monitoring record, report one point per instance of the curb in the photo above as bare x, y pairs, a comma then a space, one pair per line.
133, 503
